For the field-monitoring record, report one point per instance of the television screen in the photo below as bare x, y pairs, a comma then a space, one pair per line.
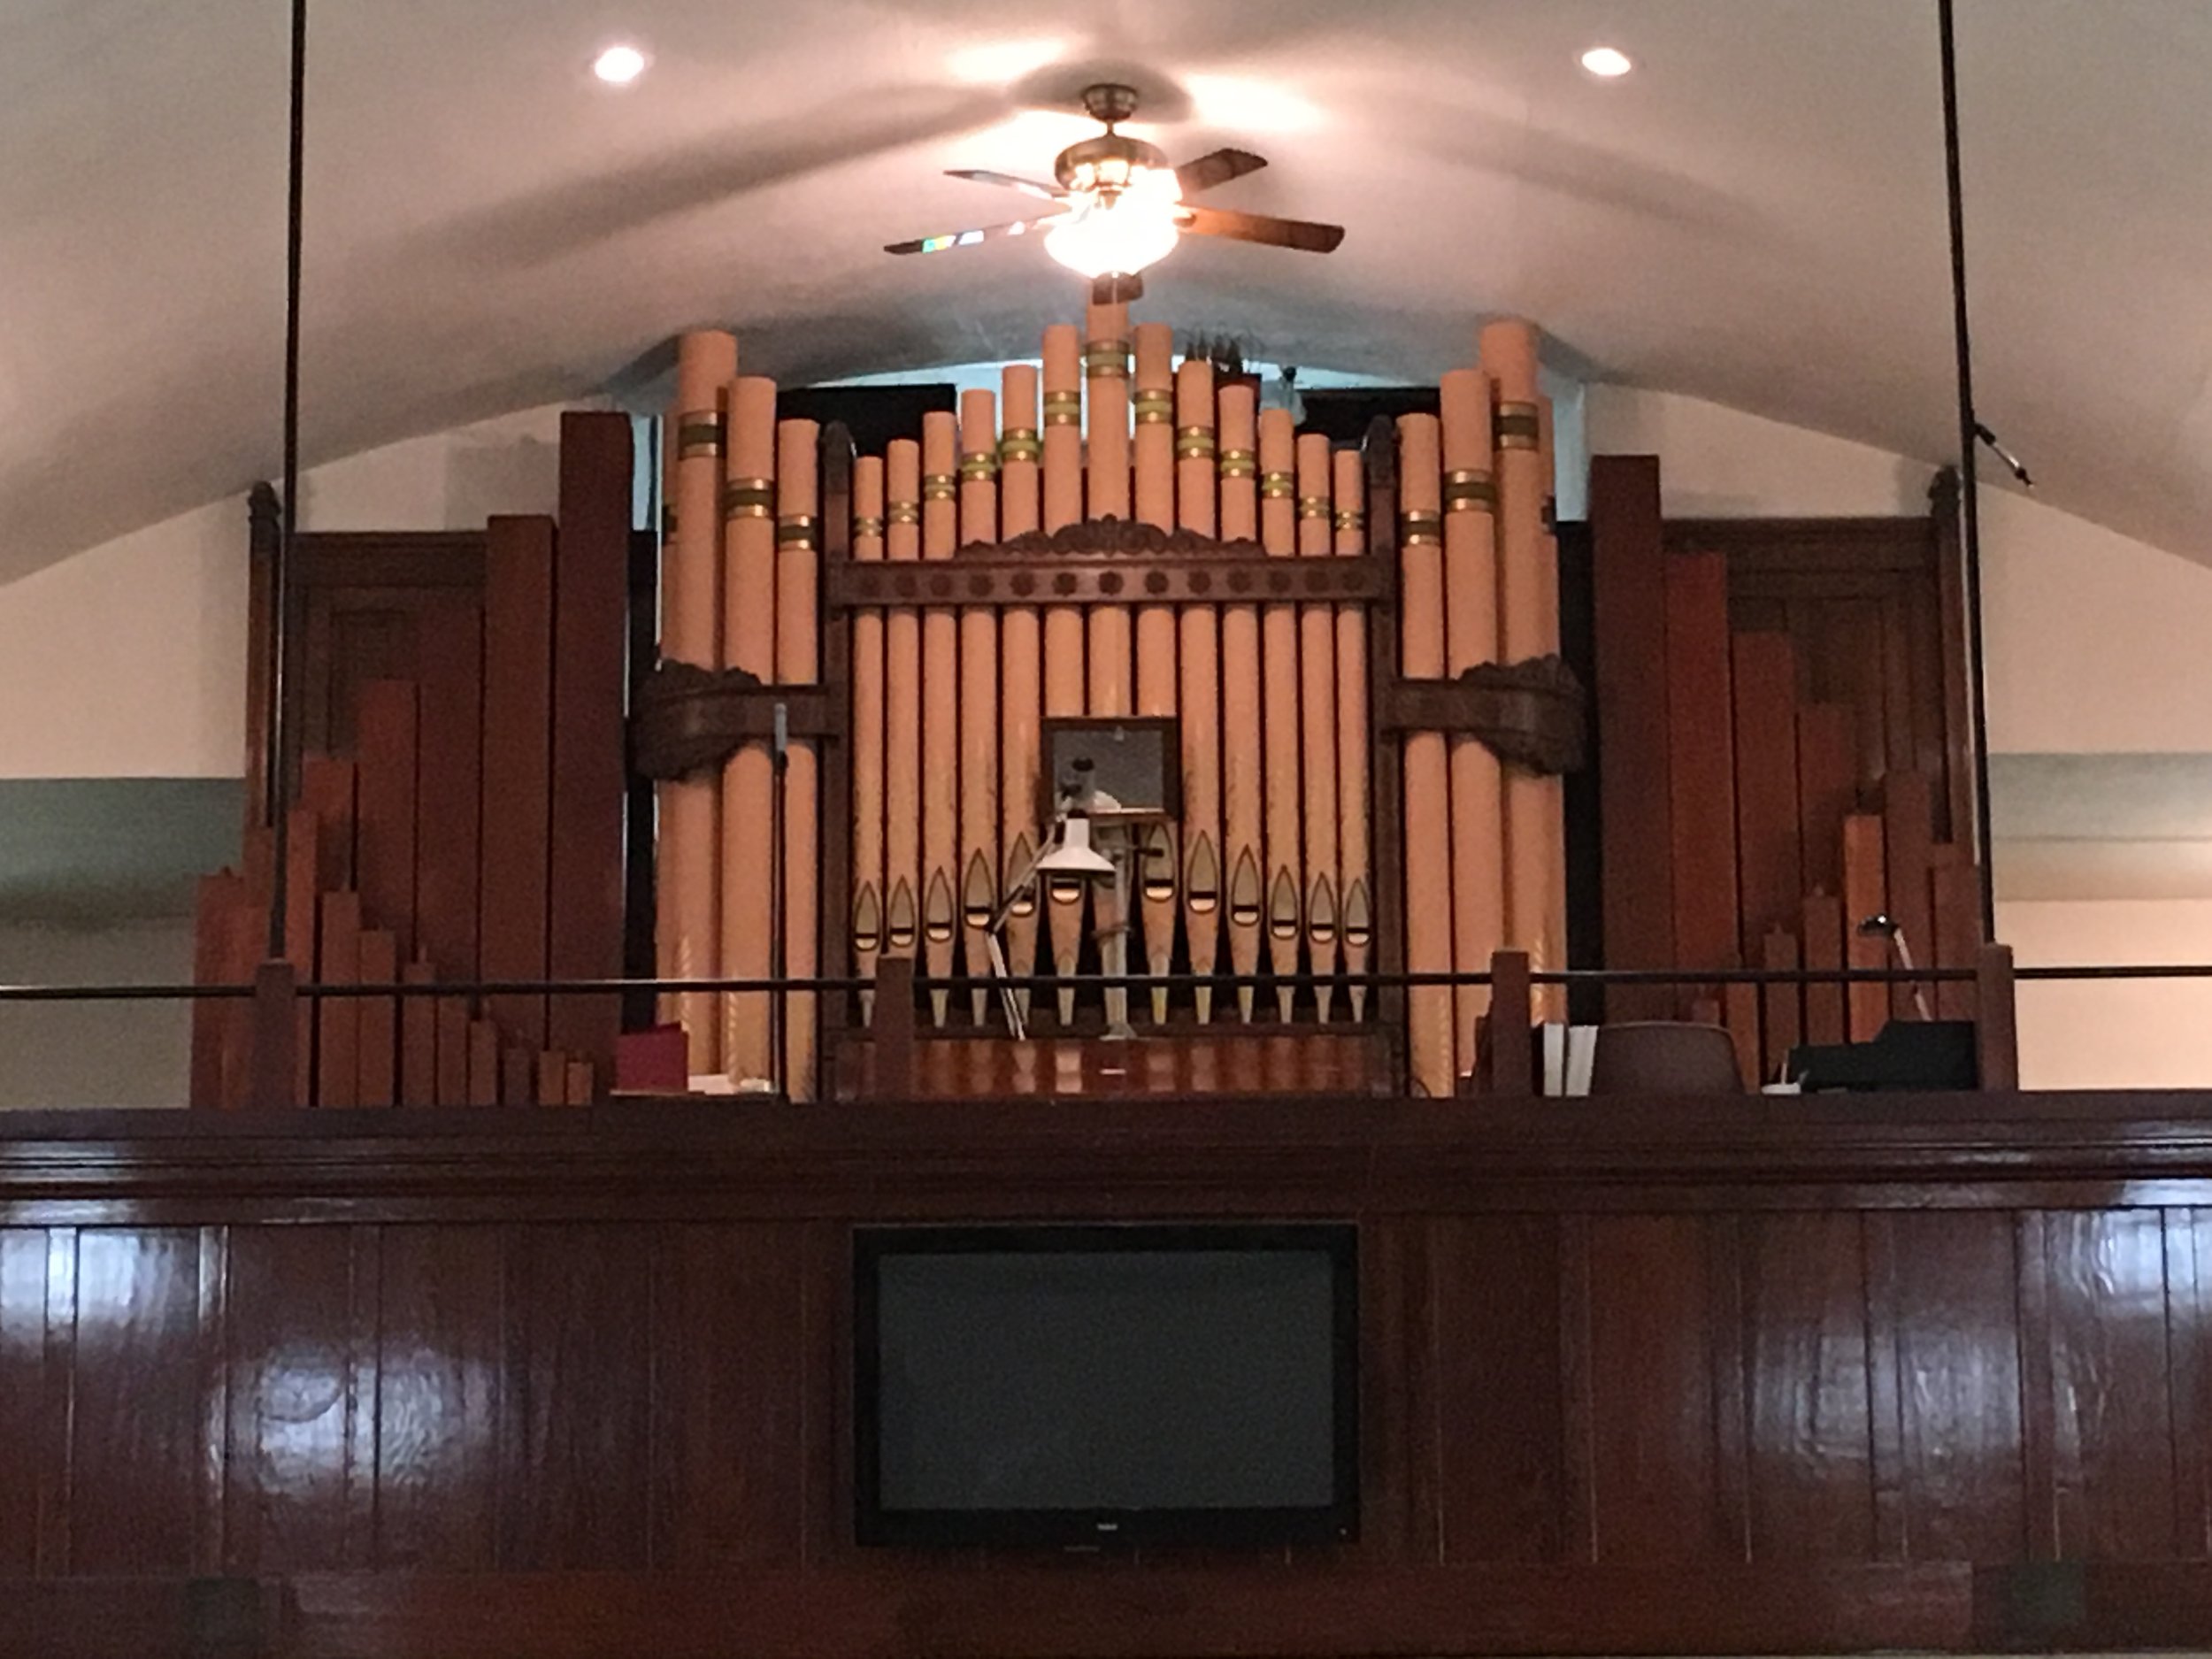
1104, 1385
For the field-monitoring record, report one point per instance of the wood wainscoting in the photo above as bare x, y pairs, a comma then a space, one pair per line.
1909, 1372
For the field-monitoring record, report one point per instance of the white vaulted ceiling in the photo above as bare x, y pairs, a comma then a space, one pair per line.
1755, 217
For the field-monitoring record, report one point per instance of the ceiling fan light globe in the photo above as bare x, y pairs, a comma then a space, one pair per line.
1119, 234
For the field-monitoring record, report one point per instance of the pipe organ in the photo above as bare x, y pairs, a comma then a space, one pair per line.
1117, 539
1305, 693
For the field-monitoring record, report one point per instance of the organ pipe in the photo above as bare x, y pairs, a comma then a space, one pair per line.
1317, 715
868, 717
1021, 671
1153, 462
979, 826
1241, 773
1428, 936
1470, 627
686, 899
1064, 632
1199, 641
1528, 605
1356, 921
751, 631
1281, 689
798, 662
902, 709
940, 710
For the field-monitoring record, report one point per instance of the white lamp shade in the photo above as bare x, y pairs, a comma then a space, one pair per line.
1073, 855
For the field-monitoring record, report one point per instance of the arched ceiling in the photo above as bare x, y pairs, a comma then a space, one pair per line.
1755, 217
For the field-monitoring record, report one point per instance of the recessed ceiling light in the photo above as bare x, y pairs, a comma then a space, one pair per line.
1606, 63
618, 66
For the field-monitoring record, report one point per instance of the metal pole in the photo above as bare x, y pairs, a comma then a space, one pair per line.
1970, 487
279, 765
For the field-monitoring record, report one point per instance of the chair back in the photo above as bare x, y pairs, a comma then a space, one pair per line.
1664, 1057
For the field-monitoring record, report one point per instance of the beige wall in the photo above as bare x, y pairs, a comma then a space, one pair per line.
2118, 1033
57, 1055
128, 660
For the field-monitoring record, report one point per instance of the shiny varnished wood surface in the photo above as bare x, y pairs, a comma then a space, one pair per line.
1906, 1373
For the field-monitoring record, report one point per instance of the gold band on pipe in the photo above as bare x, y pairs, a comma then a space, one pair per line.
1417, 529
982, 465
1155, 409
867, 527
903, 512
1019, 443
1351, 518
749, 498
796, 531
1517, 427
1313, 506
940, 487
1064, 409
698, 434
1239, 462
1277, 486
1469, 491
1193, 444
1106, 360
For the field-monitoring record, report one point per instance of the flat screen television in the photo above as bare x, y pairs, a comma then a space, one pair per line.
1106, 1386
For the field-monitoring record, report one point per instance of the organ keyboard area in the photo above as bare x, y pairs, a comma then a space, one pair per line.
1113, 537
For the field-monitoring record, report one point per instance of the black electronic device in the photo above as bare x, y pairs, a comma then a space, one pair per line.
1104, 1387
1905, 1054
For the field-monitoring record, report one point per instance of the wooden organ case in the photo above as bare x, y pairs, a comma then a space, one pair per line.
1355, 652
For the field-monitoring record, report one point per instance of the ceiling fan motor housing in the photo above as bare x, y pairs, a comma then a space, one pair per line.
1108, 163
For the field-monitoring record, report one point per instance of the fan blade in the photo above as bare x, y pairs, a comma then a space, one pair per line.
970, 238
1280, 232
1217, 168
984, 175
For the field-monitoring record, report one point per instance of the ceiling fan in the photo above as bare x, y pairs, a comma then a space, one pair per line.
1121, 206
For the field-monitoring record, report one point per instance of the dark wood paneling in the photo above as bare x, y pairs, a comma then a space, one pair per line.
1043, 1608
2189, 1376
1906, 809
338, 1018
1659, 1485
299, 1335
386, 760
439, 1399
591, 620
1865, 894
1806, 1372
1499, 1425
574, 1429
379, 1022
1702, 762
450, 666
518, 681
729, 1397
2113, 1445
1628, 599
1945, 1291
1769, 864
27, 1442
135, 1427
1823, 948
1608, 1356
1827, 790
1873, 606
